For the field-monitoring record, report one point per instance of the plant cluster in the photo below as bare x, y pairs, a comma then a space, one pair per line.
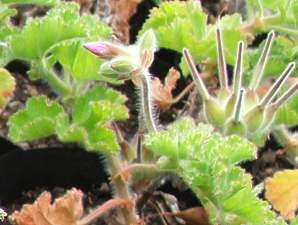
56, 47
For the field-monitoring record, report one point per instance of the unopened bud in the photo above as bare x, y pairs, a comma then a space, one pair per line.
122, 66
105, 50
147, 41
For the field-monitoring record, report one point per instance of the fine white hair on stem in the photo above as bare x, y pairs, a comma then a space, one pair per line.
148, 109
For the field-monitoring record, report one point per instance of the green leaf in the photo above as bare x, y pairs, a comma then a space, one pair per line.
37, 120
61, 23
288, 113
7, 86
90, 126
6, 29
283, 51
39, 34
183, 24
76, 60
38, 2
208, 163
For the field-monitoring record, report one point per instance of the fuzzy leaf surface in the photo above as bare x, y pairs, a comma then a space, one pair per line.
283, 51
208, 163
91, 116
39, 2
37, 120
60, 23
183, 24
76, 60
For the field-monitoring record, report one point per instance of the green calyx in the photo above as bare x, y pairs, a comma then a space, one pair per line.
235, 110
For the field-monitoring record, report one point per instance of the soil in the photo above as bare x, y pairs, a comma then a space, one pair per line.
93, 179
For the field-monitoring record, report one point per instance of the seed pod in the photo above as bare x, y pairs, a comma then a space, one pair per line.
254, 118
230, 106
122, 66
235, 127
251, 100
147, 42
214, 112
107, 71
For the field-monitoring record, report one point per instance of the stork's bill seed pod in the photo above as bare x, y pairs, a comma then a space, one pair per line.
234, 110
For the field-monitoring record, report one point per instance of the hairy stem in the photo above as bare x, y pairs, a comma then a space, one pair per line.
121, 188
147, 102
100, 210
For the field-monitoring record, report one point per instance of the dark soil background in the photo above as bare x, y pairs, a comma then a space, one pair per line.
30, 169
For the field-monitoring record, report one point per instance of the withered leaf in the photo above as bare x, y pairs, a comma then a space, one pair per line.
120, 14
282, 192
162, 93
66, 210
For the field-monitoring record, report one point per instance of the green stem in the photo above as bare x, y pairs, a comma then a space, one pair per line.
282, 135
54, 81
121, 189
276, 22
290, 143
147, 102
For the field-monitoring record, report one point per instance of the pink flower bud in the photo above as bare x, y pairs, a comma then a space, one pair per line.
105, 50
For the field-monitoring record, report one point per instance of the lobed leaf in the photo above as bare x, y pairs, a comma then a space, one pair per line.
282, 192
37, 120
76, 60
66, 210
6, 29
89, 122
7, 86
91, 116
183, 24
282, 52
61, 23
208, 163
39, 2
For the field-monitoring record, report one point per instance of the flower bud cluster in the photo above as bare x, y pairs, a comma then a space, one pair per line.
124, 62
239, 110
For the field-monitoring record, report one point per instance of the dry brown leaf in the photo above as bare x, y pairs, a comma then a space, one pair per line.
282, 192
162, 93
120, 13
192, 216
66, 210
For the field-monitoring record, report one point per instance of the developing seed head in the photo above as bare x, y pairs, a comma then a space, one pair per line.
238, 110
